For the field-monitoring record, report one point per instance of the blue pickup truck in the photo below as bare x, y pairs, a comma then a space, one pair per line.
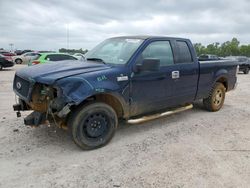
122, 78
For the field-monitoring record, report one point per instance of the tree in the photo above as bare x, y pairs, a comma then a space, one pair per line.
228, 48
245, 50
199, 48
235, 47
72, 51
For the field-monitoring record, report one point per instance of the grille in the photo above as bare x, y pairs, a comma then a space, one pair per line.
21, 86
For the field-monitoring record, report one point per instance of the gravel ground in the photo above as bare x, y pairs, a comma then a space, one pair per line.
194, 148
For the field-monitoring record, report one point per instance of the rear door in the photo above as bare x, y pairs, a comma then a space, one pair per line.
185, 74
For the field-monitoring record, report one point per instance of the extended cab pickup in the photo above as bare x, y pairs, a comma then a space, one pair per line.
122, 78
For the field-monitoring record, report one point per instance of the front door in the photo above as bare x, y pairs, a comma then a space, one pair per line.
151, 90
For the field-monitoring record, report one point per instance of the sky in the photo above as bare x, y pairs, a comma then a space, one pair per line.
45, 24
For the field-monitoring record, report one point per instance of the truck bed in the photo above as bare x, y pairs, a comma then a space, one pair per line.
210, 70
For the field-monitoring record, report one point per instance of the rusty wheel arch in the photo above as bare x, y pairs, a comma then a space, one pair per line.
224, 81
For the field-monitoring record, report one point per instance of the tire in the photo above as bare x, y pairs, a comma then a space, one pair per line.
216, 98
18, 61
1, 67
246, 71
93, 125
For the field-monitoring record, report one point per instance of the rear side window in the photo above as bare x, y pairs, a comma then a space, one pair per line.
67, 57
53, 57
160, 50
59, 57
184, 55
37, 57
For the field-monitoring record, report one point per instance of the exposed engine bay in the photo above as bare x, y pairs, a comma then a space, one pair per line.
47, 106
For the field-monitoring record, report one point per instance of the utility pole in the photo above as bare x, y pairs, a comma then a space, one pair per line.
11, 46
67, 36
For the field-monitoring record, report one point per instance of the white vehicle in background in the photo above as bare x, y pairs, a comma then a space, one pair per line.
25, 58
79, 56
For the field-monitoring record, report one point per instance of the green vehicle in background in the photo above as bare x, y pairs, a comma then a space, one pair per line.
50, 57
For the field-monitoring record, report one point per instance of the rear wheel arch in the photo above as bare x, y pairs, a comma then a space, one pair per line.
18, 60
222, 80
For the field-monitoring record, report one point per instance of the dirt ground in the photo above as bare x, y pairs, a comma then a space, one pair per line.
194, 148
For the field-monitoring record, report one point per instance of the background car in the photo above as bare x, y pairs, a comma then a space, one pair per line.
20, 52
5, 61
208, 57
6, 53
79, 56
25, 58
244, 63
48, 57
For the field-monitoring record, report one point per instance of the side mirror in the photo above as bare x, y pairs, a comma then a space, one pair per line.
148, 65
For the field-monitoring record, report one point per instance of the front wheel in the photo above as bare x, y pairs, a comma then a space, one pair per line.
93, 125
216, 98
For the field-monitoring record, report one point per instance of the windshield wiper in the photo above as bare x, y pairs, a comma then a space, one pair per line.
96, 59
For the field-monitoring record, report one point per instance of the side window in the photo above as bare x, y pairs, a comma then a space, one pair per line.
53, 57
184, 55
67, 57
160, 50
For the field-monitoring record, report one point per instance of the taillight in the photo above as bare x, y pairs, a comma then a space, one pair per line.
35, 62
237, 70
9, 58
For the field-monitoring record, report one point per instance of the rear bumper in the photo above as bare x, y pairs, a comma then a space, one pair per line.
243, 67
8, 64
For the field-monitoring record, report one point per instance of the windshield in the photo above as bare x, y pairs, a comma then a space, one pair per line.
114, 50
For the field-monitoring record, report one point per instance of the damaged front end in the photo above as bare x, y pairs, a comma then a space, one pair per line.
47, 103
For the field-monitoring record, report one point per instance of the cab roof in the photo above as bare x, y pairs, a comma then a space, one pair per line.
145, 37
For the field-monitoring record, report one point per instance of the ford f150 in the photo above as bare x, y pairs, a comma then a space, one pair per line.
122, 78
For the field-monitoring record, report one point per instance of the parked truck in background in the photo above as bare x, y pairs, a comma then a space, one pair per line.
243, 61
122, 78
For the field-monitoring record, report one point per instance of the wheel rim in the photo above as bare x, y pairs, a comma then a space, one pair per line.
18, 61
218, 97
96, 125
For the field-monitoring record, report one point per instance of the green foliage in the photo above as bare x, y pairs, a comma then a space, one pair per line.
227, 48
72, 51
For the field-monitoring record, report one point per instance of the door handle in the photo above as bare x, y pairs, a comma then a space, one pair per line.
175, 74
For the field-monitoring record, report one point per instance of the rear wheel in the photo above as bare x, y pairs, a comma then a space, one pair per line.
1, 67
246, 71
216, 98
93, 125
18, 61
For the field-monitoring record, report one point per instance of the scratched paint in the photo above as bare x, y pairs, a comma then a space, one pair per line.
99, 89
101, 78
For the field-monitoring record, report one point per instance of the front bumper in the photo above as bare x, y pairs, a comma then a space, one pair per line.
34, 119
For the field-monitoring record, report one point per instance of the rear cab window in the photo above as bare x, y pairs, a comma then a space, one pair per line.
184, 52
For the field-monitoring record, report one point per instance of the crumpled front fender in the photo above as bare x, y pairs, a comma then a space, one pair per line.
74, 89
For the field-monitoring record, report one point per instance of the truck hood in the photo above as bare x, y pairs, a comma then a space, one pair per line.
48, 73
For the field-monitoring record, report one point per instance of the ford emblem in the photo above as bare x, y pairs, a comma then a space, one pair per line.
18, 85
